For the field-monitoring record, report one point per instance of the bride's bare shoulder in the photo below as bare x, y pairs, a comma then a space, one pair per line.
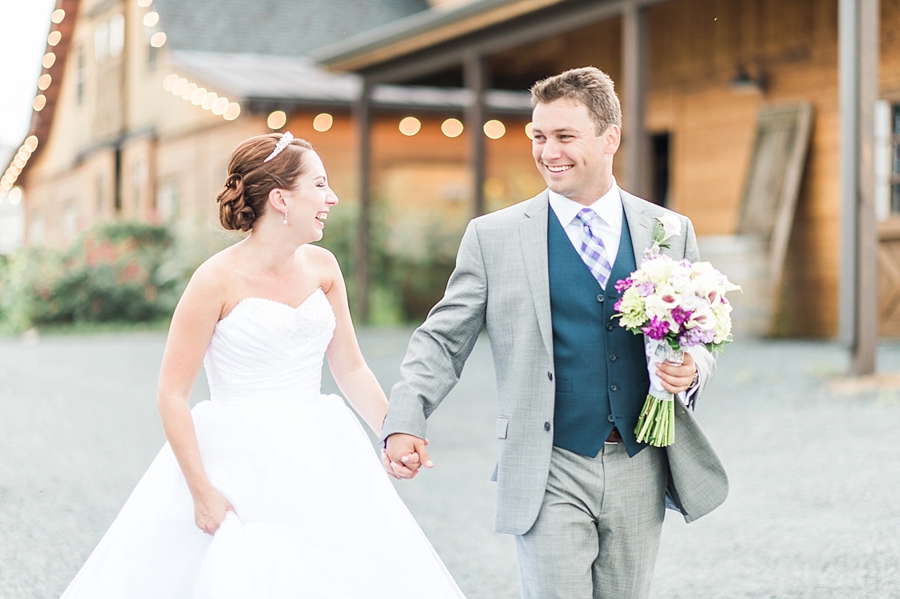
322, 262
213, 276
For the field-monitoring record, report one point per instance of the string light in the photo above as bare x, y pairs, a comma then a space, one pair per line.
232, 112
31, 142
277, 119
209, 100
179, 86
48, 60
144, 3
323, 122
40, 101
190, 89
44, 81
494, 129
452, 128
197, 96
220, 106
410, 125
200, 96
158, 40
54, 38
15, 195
151, 19
58, 16
528, 132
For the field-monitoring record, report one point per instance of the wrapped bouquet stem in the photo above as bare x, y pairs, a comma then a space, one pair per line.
674, 304
656, 424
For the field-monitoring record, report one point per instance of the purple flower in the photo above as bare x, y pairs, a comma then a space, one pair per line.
623, 284
646, 289
680, 315
696, 336
618, 303
657, 329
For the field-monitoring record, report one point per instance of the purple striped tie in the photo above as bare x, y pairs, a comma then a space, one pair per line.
592, 251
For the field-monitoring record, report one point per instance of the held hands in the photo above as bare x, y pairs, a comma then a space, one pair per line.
677, 377
404, 455
210, 508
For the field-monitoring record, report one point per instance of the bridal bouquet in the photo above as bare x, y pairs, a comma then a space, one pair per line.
674, 304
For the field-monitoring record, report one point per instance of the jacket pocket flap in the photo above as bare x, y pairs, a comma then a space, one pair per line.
502, 427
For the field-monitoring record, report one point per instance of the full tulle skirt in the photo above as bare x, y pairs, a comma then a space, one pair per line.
315, 517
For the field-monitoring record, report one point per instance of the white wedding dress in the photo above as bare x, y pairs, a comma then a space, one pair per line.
315, 515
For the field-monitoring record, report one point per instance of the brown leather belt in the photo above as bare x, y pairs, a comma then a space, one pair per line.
614, 436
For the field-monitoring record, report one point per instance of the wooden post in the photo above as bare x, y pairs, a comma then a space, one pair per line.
635, 146
362, 118
476, 82
858, 56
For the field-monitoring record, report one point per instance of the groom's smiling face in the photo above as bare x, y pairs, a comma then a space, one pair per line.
574, 161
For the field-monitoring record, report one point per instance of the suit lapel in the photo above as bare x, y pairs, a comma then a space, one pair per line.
639, 225
533, 238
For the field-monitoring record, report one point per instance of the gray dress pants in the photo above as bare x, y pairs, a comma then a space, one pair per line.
597, 534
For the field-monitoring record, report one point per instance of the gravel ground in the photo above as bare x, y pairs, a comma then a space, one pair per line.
813, 511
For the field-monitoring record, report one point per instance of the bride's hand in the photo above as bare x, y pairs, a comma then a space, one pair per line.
210, 509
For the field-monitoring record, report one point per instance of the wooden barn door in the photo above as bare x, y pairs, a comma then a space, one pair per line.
889, 278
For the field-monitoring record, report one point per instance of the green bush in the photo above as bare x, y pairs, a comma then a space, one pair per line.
135, 272
114, 272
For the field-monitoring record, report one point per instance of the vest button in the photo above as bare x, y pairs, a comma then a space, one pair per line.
600, 298
549, 375
610, 418
547, 426
609, 326
613, 357
613, 388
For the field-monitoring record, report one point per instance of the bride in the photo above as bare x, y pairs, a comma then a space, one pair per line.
271, 489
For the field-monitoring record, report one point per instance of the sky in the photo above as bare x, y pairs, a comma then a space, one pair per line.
24, 25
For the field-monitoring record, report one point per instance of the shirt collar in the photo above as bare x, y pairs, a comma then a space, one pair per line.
608, 207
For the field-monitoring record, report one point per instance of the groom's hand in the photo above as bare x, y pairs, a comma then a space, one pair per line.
404, 454
677, 377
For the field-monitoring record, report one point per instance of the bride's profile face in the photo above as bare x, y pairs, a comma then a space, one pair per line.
310, 199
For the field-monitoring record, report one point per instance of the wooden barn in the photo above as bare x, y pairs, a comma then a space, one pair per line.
733, 116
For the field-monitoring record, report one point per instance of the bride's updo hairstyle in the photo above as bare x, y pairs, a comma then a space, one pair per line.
250, 178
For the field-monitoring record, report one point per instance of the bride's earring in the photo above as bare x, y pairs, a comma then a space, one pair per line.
285, 216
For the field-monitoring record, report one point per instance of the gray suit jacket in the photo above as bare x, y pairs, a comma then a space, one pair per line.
501, 281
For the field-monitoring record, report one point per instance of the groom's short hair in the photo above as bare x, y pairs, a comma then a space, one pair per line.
588, 85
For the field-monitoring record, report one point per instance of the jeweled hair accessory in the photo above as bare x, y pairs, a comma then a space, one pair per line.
286, 138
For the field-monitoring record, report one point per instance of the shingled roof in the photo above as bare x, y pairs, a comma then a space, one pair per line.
273, 27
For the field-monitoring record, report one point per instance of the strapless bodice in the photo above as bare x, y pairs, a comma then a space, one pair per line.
266, 351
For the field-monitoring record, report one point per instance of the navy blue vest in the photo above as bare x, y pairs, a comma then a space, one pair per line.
601, 371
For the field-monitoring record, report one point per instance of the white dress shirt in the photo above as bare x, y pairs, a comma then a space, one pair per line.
608, 227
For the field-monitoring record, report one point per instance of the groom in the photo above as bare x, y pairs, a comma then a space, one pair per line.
583, 498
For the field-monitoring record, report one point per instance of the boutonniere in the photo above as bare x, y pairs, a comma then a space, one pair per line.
667, 226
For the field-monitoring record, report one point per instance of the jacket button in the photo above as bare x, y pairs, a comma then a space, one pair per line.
610, 418
613, 388
547, 426
609, 326
613, 357
549, 375
600, 298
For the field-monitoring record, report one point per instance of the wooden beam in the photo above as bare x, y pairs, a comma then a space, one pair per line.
863, 361
532, 28
635, 146
475, 75
362, 118
858, 59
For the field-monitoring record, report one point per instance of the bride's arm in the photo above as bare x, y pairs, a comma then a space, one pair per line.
192, 327
351, 373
